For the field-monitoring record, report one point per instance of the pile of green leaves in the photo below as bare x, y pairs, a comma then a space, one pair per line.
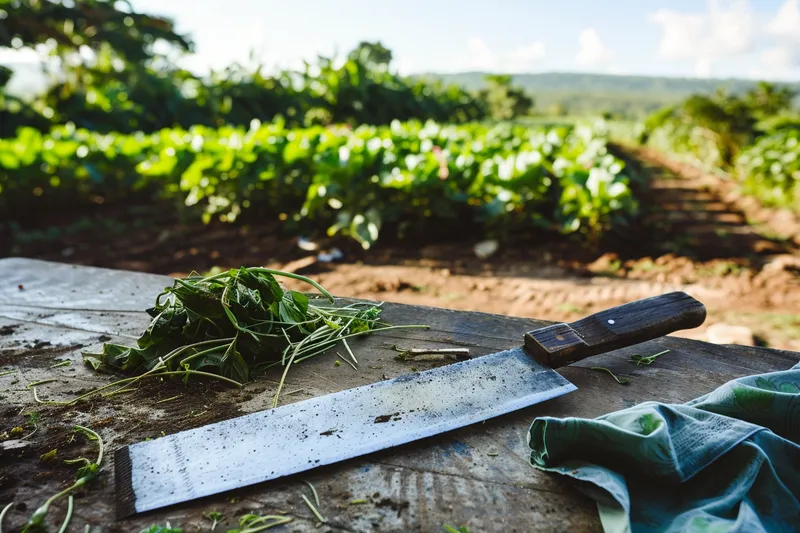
408, 178
234, 324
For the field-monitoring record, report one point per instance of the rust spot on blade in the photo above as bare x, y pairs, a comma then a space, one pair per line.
385, 418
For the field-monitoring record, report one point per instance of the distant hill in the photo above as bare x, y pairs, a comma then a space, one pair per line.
566, 81
555, 93
578, 93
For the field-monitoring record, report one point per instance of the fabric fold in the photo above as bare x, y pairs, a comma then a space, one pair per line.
727, 461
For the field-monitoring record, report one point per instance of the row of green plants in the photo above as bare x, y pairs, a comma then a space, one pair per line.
118, 70
751, 138
360, 182
109, 96
770, 169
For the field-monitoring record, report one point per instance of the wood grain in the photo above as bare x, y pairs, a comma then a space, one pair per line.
478, 476
624, 325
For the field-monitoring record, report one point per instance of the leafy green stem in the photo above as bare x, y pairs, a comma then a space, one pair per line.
646, 360
67, 518
85, 474
291, 275
3, 514
620, 380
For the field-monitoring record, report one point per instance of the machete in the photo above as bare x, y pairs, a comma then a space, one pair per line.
326, 429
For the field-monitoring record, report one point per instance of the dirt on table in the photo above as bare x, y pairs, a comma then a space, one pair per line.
695, 234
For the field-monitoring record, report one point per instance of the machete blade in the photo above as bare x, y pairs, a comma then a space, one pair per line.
327, 429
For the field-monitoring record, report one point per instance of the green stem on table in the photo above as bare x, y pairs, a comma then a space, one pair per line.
3, 514
646, 360
200, 373
62, 363
83, 460
346, 360
620, 380
37, 518
287, 366
313, 509
67, 518
313, 491
127, 381
6, 373
120, 391
200, 354
347, 347
165, 400
40, 382
340, 337
251, 524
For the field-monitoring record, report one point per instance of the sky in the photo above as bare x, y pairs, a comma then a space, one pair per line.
687, 38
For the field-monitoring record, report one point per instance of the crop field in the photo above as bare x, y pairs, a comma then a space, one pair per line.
410, 176
404, 212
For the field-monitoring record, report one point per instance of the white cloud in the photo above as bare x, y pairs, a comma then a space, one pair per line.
783, 56
591, 49
522, 59
681, 32
480, 55
787, 21
525, 57
780, 58
724, 31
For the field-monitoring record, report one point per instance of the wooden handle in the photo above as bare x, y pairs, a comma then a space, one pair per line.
625, 325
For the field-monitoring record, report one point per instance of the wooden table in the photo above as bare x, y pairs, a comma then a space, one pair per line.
477, 476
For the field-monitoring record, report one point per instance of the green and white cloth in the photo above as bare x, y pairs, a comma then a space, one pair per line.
728, 461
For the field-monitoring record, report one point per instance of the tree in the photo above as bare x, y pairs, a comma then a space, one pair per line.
372, 54
115, 86
68, 26
504, 100
767, 100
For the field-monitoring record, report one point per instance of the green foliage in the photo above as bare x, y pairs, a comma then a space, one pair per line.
768, 100
504, 100
407, 178
107, 93
754, 137
770, 169
124, 85
84, 475
15, 112
231, 325
709, 129
106, 97
69, 26
714, 129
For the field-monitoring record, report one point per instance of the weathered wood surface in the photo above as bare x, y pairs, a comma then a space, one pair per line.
454, 478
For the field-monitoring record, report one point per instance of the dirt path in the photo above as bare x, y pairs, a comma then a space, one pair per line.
781, 224
693, 236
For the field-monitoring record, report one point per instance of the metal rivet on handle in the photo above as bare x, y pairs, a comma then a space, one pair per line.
610, 321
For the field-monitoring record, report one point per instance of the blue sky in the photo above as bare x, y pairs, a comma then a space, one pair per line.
756, 38
719, 38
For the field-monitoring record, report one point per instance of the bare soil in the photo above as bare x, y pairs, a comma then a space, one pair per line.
695, 234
